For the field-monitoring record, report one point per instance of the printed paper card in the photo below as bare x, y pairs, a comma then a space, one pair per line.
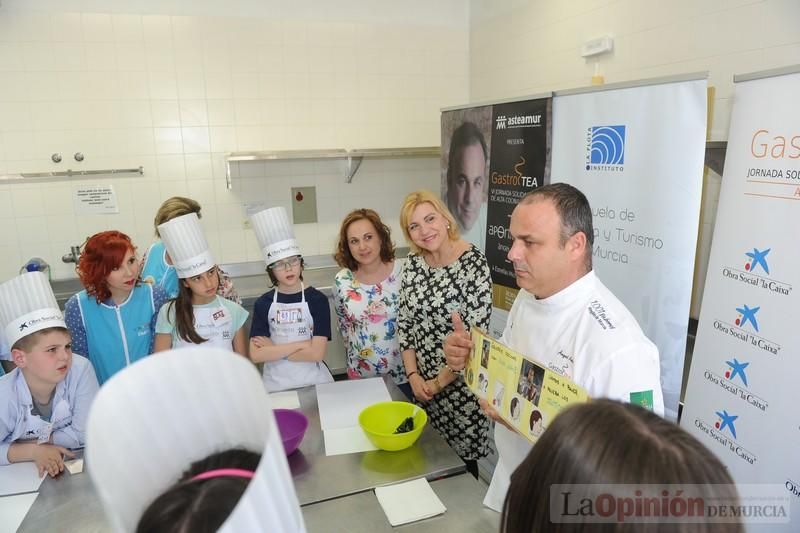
527, 395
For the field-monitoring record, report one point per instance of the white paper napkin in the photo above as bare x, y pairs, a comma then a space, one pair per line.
346, 440
13, 510
285, 400
75, 466
409, 502
19, 478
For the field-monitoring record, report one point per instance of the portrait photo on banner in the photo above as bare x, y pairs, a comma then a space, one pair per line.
466, 148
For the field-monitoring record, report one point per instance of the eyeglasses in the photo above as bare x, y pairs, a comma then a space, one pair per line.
285, 265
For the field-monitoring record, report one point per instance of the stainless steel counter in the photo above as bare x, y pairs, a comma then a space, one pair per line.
462, 495
318, 477
70, 504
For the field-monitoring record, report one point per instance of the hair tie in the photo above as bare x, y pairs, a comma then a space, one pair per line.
224, 472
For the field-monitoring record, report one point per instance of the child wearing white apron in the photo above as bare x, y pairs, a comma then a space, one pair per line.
291, 324
215, 321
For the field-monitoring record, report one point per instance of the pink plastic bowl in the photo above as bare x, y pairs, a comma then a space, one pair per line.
292, 425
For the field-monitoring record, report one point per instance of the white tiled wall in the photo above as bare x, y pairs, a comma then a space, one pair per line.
525, 47
172, 85
378, 184
522, 47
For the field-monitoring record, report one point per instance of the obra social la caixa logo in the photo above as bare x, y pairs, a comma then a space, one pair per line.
726, 420
747, 315
757, 259
605, 148
736, 369
757, 273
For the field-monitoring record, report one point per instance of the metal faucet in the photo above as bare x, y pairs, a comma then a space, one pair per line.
74, 253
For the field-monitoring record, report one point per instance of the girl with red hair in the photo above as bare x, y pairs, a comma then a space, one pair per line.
112, 320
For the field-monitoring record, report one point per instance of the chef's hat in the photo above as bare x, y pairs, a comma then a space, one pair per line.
186, 245
27, 305
149, 422
275, 235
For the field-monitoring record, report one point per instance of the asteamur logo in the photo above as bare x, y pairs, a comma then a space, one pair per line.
605, 148
502, 122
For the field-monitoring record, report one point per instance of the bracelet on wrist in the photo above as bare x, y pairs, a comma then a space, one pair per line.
436, 381
408, 376
454, 372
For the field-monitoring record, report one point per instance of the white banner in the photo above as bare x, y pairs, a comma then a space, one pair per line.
741, 399
637, 153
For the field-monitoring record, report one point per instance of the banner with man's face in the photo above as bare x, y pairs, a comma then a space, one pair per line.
491, 157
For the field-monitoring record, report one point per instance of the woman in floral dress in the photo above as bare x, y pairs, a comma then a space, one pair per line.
366, 294
442, 276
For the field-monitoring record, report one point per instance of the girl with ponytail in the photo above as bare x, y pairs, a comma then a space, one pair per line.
197, 315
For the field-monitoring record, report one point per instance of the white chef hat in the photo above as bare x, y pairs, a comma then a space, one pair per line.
275, 234
149, 422
27, 305
186, 245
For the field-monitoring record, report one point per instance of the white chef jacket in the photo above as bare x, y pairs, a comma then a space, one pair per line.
585, 333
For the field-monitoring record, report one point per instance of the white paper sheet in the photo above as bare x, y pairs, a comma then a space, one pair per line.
341, 402
346, 440
13, 510
285, 400
409, 501
75, 466
19, 478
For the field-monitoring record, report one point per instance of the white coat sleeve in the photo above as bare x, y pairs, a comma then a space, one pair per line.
631, 374
83, 391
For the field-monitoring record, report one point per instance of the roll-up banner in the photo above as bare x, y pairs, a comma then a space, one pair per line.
492, 156
637, 153
741, 397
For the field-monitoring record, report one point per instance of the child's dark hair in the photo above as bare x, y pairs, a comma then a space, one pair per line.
26, 343
274, 279
184, 314
607, 443
200, 506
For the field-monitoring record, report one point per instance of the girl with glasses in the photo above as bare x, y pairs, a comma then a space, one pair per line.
291, 323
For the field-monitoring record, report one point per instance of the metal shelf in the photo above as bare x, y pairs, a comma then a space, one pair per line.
354, 157
39, 177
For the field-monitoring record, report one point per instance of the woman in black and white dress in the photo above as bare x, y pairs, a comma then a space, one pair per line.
443, 275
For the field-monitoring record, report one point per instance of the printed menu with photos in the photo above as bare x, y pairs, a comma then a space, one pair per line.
527, 395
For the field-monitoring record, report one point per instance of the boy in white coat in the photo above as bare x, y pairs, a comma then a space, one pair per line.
44, 402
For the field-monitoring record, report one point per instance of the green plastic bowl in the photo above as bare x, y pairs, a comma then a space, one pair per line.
381, 419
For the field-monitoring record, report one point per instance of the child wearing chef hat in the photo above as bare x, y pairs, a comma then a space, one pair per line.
200, 447
157, 263
198, 315
44, 402
291, 323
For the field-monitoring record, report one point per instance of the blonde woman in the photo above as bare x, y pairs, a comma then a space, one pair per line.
443, 275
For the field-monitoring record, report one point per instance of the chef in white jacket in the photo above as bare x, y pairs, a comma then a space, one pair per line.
563, 317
